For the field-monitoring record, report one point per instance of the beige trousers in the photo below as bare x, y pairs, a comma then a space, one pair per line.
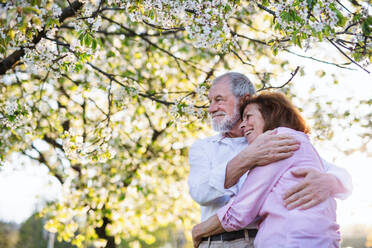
246, 242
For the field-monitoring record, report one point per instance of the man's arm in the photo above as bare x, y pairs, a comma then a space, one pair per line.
317, 186
267, 148
206, 184
344, 185
207, 228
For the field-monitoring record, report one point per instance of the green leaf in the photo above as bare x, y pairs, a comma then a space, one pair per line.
88, 40
369, 20
357, 17
366, 28
110, 54
265, 3
94, 44
320, 36
81, 37
29, 10
11, 117
78, 67
227, 8
274, 50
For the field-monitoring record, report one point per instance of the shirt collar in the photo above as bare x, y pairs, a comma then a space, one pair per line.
220, 137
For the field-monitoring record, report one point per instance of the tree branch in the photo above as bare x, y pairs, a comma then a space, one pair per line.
318, 60
241, 60
161, 28
41, 159
102, 233
153, 44
266, 9
343, 53
151, 97
52, 142
293, 74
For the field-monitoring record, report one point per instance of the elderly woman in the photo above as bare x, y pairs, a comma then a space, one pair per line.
262, 192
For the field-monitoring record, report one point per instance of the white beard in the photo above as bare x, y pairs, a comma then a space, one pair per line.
227, 123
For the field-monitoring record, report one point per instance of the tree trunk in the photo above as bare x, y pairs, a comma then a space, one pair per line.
101, 232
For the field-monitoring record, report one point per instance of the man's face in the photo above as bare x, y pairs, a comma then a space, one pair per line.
223, 107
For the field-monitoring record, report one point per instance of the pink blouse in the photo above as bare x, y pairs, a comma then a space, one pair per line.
261, 195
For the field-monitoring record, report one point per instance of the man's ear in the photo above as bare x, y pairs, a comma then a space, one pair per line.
244, 98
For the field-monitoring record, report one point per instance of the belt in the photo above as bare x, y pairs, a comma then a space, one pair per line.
228, 236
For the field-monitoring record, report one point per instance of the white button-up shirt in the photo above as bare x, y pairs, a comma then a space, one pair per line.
208, 159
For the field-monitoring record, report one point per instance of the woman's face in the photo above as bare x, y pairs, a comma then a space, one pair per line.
252, 122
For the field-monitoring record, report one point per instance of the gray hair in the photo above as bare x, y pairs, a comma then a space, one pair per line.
240, 85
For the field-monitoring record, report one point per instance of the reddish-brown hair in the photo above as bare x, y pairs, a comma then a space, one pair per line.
276, 110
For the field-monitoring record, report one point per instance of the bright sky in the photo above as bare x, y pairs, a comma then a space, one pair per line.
23, 187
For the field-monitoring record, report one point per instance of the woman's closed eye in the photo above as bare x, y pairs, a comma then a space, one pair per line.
246, 117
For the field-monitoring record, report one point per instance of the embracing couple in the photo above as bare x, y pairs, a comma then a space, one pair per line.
260, 182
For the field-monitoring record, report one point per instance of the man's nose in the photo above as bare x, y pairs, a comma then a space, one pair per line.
212, 108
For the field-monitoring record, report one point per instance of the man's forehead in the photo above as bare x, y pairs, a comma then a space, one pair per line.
220, 89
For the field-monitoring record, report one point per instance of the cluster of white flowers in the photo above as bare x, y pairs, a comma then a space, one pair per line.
46, 53
42, 57
12, 16
122, 96
17, 122
56, 10
250, 6
11, 106
88, 152
322, 16
87, 12
204, 21
179, 110
200, 92
12, 115
97, 24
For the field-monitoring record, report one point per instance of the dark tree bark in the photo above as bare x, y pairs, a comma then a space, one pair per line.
101, 232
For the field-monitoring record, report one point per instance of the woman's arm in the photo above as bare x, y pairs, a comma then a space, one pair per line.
245, 207
267, 148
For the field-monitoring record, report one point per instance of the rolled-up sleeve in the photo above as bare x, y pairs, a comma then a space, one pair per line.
206, 182
244, 208
343, 176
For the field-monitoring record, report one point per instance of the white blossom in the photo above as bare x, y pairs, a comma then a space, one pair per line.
11, 106
56, 10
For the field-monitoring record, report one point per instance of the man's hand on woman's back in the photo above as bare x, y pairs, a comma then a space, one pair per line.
314, 189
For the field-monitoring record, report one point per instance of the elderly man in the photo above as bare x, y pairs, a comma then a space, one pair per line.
219, 164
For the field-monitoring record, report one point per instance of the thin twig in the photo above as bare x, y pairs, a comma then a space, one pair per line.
318, 60
266, 9
351, 60
153, 44
250, 39
151, 97
344, 7
241, 60
161, 28
293, 74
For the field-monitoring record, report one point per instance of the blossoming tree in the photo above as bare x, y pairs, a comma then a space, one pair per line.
115, 91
